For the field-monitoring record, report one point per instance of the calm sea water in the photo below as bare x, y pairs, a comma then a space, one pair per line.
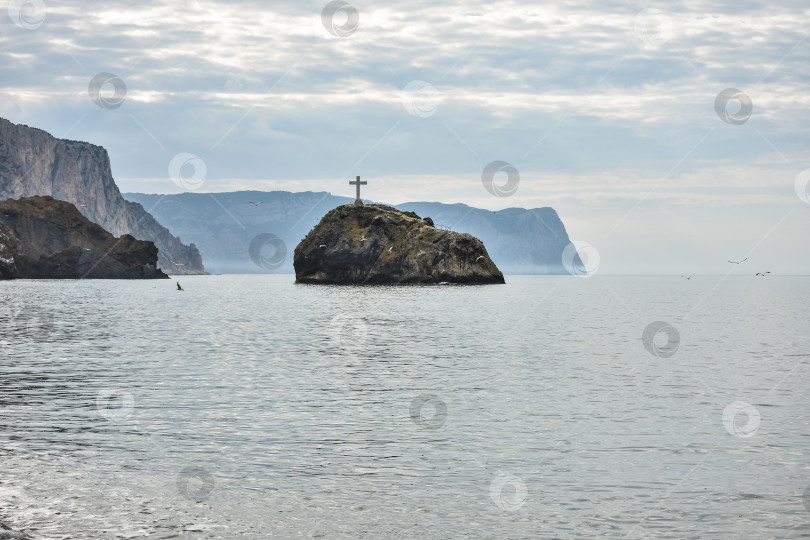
250, 407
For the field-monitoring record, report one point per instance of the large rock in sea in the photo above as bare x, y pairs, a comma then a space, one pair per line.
377, 244
32, 162
42, 238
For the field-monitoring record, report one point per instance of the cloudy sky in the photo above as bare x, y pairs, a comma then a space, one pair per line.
608, 110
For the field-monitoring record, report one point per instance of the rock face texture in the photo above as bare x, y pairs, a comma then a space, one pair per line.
42, 238
377, 244
32, 162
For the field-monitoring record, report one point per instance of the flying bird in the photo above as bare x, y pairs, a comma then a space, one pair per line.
255, 203
389, 249
179, 288
479, 257
322, 246
761, 274
689, 276
363, 238
738, 262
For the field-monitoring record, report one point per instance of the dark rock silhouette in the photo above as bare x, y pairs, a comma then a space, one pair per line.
42, 238
32, 162
376, 244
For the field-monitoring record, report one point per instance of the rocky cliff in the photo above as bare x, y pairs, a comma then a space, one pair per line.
32, 162
380, 244
42, 238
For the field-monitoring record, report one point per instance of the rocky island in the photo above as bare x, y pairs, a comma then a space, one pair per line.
42, 238
378, 244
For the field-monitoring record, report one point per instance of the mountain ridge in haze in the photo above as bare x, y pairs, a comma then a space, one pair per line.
223, 225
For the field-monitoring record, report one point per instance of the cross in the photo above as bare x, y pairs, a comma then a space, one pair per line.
358, 183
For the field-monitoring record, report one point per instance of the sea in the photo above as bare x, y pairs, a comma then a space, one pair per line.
246, 406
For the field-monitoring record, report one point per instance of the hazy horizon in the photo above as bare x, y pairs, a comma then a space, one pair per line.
614, 114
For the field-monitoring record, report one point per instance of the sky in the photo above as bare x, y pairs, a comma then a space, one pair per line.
671, 137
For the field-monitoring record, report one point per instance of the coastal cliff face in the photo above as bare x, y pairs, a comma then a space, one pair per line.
377, 244
32, 162
43, 238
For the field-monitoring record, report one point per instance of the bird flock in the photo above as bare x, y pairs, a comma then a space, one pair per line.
761, 274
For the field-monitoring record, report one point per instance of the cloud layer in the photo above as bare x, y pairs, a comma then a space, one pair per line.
603, 107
